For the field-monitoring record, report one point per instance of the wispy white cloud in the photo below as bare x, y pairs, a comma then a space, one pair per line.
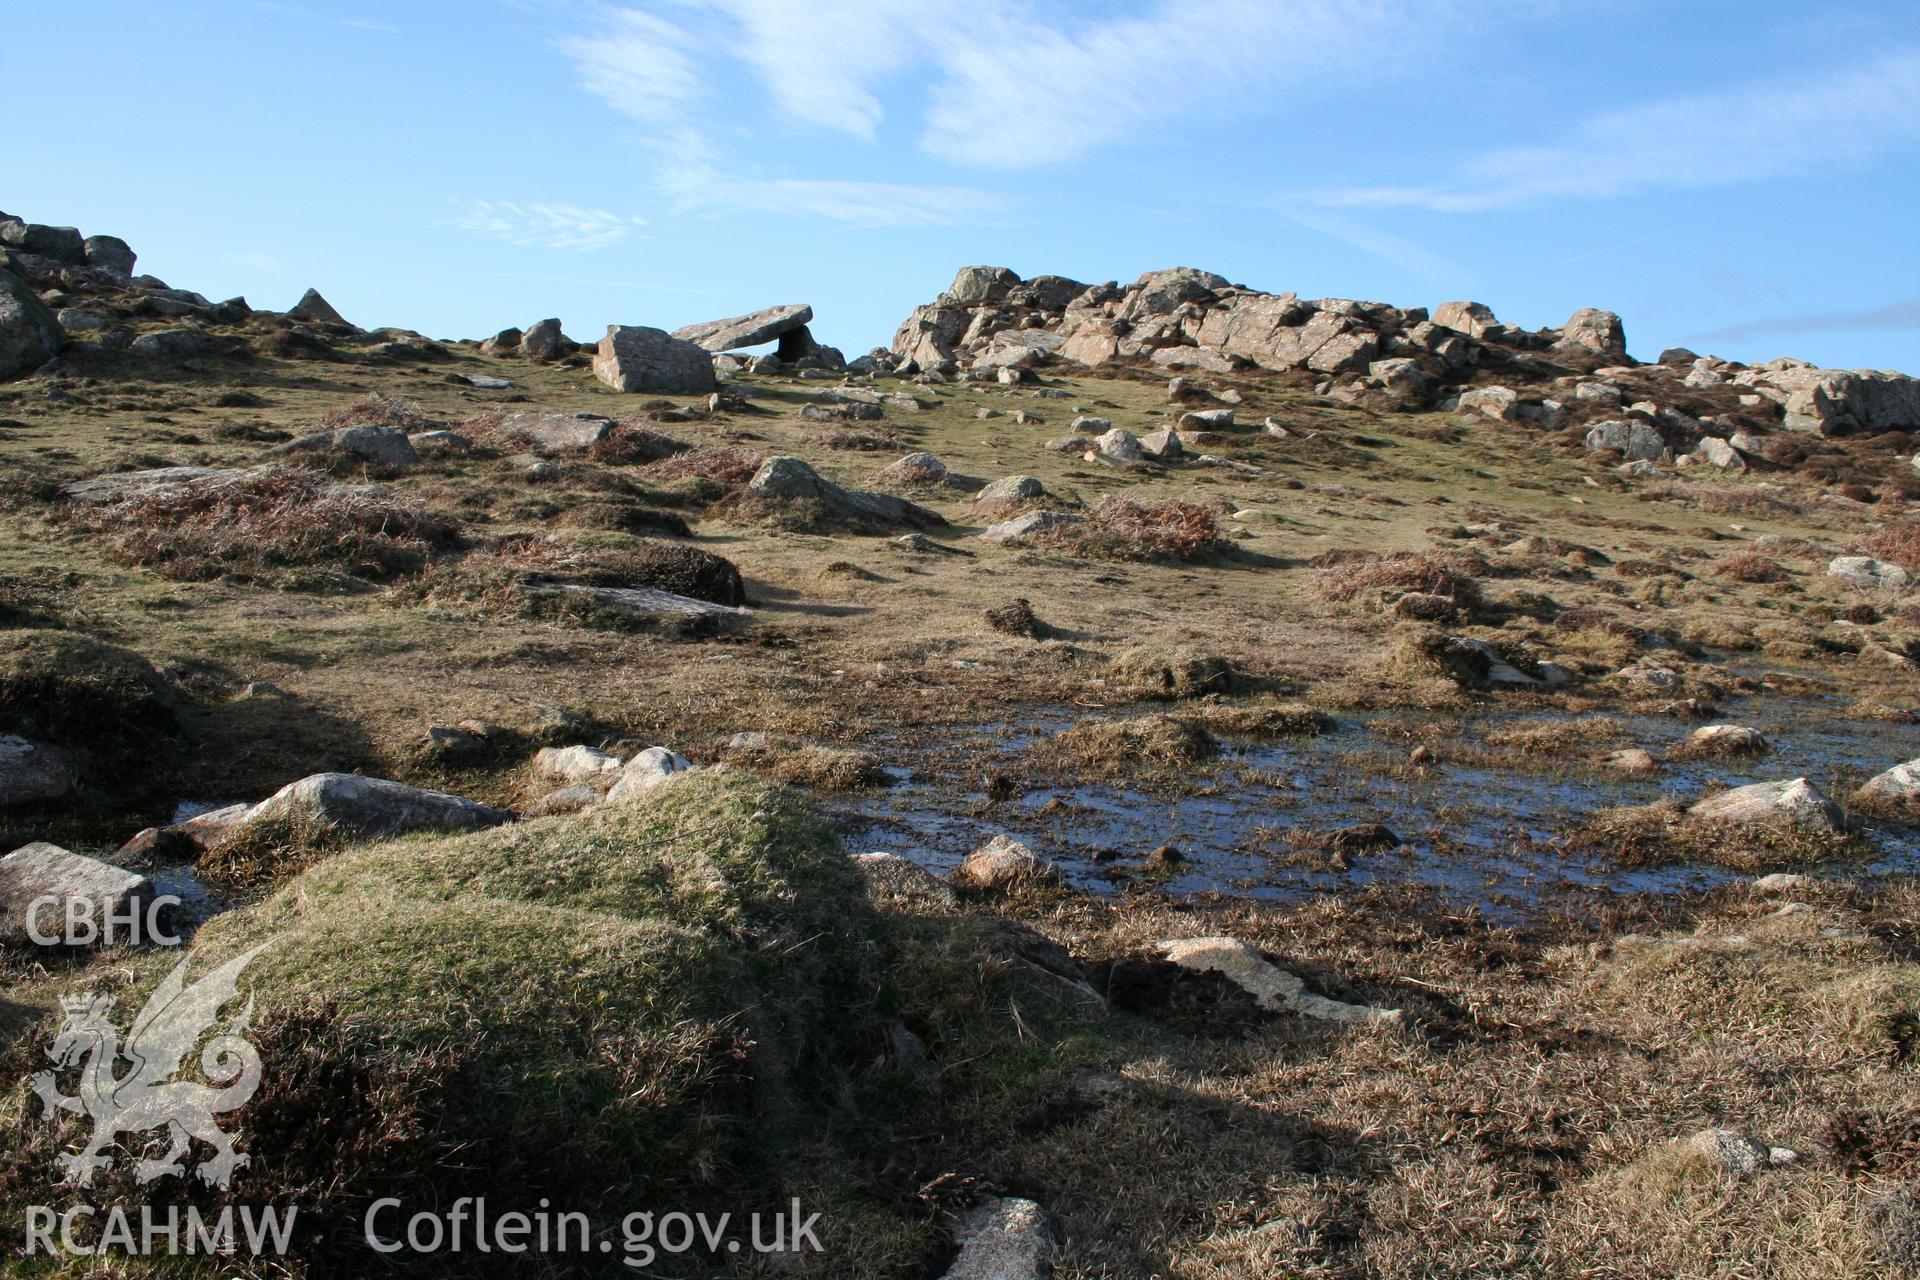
556, 226
1414, 259
1829, 122
1901, 316
1013, 91
1008, 84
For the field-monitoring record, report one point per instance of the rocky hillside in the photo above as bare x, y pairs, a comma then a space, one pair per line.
1167, 781
1368, 353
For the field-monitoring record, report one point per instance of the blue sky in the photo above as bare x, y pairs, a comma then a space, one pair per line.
1737, 177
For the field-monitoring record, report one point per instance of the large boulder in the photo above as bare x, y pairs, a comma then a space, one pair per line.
576, 764
750, 330
383, 446
175, 343
1271, 987
978, 286
543, 340
1470, 318
1835, 402
30, 334
369, 808
1008, 491
1601, 332
110, 253
1631, 438
639, 358
314, 309
34, 874
154, 482
786, 480
33, 771
62, 244
1868, 573
648, 607
1502, 404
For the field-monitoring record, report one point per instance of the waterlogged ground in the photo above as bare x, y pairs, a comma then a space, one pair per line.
1475, 833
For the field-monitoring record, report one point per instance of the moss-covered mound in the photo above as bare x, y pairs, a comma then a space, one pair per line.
78, 692
687, 1001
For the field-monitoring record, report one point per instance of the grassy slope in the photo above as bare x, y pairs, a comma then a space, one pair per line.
1520, 1126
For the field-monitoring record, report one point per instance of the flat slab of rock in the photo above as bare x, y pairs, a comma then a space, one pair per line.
33, 771
1794, 799
889, 875
1271, 986
787, 479
1003, 1239
573, 799
1029, 525
40, 870
638, 358
576, 764
751, 330
370, 808
646, 604
137, 486
556, 432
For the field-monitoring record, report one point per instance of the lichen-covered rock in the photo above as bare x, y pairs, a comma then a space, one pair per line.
1001, 865
754, 329
32, 772
1793, 800
646, 771
636, 358
1271, 986
1003, 1239
369, 808
785, 480
384, 446
38, 880
30, 334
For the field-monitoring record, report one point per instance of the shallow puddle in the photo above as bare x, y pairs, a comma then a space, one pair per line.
1475, 835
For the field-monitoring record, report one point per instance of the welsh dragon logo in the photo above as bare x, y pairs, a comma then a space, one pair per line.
145, 1095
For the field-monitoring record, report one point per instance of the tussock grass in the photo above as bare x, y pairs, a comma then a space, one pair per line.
708, 474
1264, 720
1144, 744
1750, 566
1182, 672
293, 528
1438, 573
378, 409
1118, 529
1662, 834
1898, 542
